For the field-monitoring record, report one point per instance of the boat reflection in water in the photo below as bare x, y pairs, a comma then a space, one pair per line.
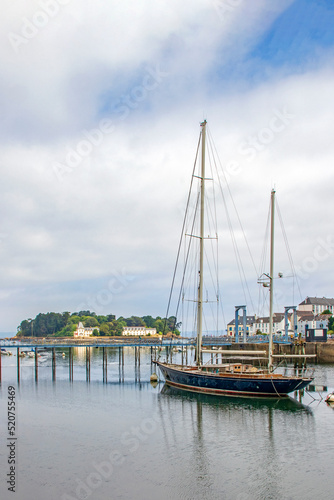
287, 404
237, 447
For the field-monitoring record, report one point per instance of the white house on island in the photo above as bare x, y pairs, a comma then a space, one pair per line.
83, 331
138, 330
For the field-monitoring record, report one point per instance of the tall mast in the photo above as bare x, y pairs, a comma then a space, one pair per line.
271, 314
201, 255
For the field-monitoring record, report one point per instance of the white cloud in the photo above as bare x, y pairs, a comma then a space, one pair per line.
121, 206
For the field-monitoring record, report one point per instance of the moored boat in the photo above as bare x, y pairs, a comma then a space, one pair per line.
4, 352
221, 381
229, 379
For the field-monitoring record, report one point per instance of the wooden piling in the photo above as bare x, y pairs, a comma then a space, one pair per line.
87, 364
36, 364
121, 363
18, 365
53, 363
70, 363
105, 364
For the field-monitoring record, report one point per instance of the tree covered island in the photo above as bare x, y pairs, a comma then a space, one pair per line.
64, 324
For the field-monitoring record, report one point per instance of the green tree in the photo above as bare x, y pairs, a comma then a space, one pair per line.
67, 331
66, 316
149, 321
104, 329
48, 324
24, 330
134, 321
116, 327
91, 322
86, 313
74, 319
102, 319
159, 324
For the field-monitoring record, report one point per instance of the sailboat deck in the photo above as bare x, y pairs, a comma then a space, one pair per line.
243, 358
228, 370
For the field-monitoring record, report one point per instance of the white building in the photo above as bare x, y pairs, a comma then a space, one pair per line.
138, 330
262, 324
316, 305
255, 324
82, 331
309, 314
249, 326
316, 322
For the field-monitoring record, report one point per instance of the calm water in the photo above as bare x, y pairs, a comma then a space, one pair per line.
128, 440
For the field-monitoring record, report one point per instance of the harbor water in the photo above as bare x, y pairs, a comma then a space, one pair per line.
127, 439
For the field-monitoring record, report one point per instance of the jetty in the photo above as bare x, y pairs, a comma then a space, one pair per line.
319, 352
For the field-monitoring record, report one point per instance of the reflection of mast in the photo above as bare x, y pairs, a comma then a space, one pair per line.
270, 425
199, 408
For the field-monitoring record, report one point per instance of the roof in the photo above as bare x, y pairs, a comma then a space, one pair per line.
277, 318
322, 317
306, 317
138, 327
319, 301
249, 320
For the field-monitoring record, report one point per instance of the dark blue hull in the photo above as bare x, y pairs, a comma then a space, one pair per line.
253, 384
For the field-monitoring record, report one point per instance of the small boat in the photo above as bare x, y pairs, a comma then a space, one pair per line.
225, 379
4, 352
31, 354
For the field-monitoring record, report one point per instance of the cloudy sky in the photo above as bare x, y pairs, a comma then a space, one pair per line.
100, 110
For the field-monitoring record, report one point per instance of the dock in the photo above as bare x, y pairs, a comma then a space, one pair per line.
319, 352
165, 347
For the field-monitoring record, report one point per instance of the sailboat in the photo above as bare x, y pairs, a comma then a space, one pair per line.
228, 379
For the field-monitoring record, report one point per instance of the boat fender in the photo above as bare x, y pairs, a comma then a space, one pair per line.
330, 398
